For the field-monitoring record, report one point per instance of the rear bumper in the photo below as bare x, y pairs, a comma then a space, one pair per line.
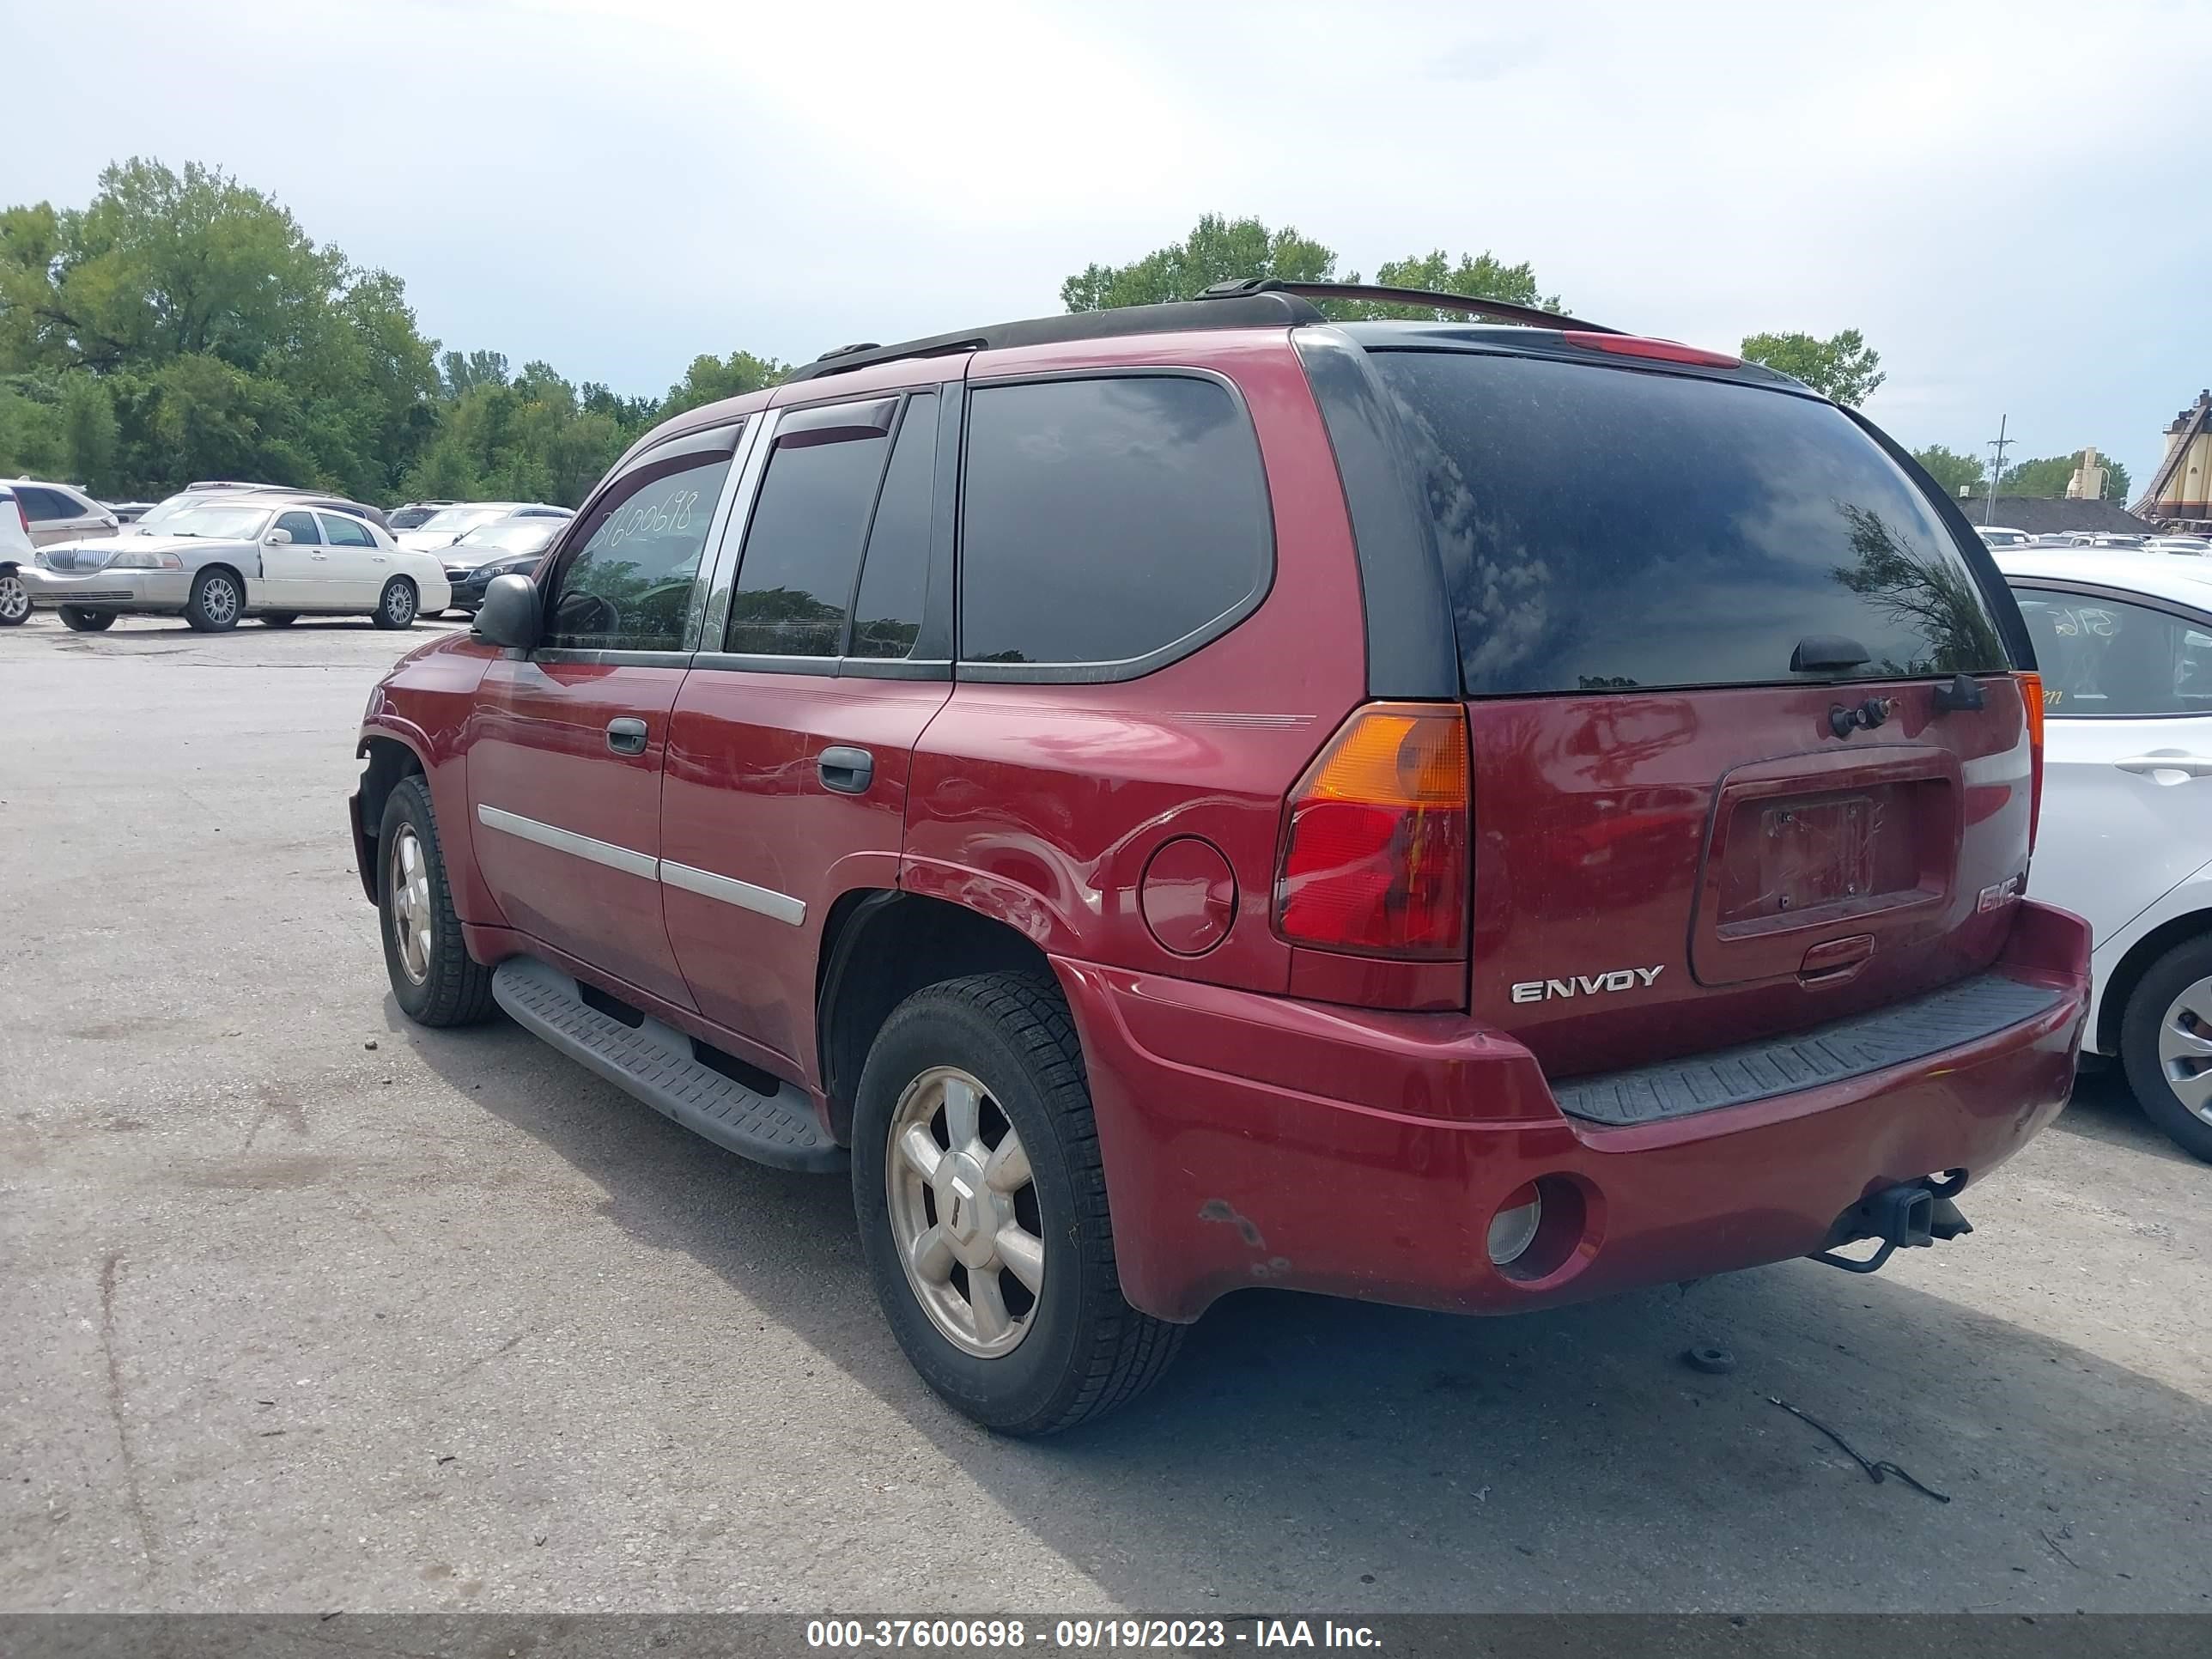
1363, 1154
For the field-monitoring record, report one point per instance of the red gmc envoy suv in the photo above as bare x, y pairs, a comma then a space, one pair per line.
1466, 814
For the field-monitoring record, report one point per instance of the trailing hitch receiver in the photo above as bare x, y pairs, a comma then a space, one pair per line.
1912, 1214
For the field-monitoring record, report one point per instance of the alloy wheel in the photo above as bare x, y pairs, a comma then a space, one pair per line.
407, 878
2184, 1048
15, 599
964, 1213
219, 599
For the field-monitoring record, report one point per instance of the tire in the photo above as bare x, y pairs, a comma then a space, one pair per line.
1079, 1349
395, 606
279, 618
15, 600
2168, 1025
78, 620
218, 600
453, 987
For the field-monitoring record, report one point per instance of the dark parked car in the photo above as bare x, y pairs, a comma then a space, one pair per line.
411, 517
503, 548
1198, 797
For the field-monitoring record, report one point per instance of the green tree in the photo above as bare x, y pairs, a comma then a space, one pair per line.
525, 439
89, 432
711, 379
1481, 276
2048, 476
1219, 250
462, 372
1842, 367
1950, 468
223, 338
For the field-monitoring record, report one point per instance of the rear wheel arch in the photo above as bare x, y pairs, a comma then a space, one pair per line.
878, 947
2127, 972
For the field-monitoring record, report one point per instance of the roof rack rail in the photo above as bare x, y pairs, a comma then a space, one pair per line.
1242, 311
1252, 302
1502, 310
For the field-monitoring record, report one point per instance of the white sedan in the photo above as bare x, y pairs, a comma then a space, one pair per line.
221, 560
2124, 644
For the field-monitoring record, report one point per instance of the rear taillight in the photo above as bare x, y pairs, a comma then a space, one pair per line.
22, 517
1664, 351
1377, 855
2031, 696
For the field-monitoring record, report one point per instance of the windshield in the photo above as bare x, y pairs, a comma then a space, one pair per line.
453, 520
167, 511
215, 522
510, 536
1605, 529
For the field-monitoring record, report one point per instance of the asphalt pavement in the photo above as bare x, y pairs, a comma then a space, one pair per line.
309, 1310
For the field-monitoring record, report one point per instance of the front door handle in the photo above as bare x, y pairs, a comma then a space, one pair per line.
2194, 766
626, 736
847, 770
319, 557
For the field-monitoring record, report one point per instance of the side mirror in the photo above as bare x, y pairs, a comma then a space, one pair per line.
509, 614
277, 539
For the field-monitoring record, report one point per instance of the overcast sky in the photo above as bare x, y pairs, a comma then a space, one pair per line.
2014, 201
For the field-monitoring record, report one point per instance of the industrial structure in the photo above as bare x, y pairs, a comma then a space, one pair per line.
2180, 492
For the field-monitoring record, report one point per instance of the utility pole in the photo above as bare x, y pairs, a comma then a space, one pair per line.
2000, 443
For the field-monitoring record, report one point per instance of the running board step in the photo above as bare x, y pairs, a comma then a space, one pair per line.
654, 1062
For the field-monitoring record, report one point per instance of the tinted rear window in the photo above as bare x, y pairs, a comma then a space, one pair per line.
1605, 528
1107, 520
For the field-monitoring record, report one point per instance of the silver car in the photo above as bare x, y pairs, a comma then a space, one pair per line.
219, 559
449, 523
60, 511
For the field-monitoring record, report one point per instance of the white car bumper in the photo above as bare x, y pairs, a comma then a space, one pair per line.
109, 590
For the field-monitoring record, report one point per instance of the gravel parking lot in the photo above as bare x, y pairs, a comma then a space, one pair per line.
310, 1309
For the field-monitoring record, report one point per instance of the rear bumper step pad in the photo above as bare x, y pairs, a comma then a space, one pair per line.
1957, 1014
654, 1062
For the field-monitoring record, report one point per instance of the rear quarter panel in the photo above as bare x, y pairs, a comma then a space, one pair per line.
1041, 805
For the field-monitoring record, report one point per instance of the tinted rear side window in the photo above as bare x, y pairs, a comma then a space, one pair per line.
895, 578
1107, 519
803, 548
1604, 528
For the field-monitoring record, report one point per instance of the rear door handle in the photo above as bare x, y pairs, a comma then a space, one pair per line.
319, 557
2194, 766
626, 736
847, 770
